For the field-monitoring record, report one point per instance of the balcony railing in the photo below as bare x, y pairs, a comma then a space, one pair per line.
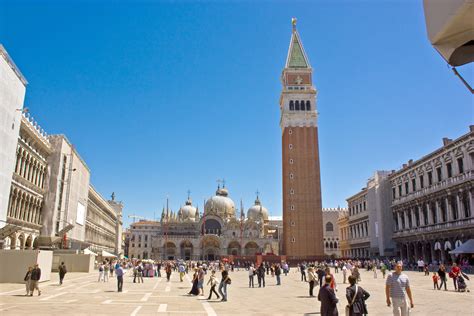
456, 224
446, 183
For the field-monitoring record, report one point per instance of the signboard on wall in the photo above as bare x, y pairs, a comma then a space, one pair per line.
81, 213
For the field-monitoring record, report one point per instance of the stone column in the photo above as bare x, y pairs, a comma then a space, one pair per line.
438, 211
419, 209
471, 205
459, 206
417, 253
405, 214
413, 218
399, 217
428, 211
448, 208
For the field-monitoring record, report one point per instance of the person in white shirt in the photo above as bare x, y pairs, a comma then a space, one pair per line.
251, 275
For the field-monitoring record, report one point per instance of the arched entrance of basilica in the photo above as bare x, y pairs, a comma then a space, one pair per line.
186, 250
210, 247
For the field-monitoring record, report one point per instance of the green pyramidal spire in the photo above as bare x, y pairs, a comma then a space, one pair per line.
296, 55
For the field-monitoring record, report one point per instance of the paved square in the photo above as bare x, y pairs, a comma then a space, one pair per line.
81, 294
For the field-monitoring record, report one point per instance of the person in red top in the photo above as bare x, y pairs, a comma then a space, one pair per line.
435, 281
455, 272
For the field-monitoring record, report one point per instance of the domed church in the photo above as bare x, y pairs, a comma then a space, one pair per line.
220, 231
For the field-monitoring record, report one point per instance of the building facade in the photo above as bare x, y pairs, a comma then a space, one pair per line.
29, 185
370, 224
343, 223
302, 206
331, 236
12, 95
219, 231
102, 223
432, 201
65, 207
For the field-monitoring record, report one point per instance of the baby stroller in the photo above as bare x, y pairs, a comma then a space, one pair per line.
462, 287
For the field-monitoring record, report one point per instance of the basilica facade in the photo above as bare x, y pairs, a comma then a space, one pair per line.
221, 230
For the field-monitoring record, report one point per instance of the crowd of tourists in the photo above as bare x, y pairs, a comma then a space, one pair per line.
216, 274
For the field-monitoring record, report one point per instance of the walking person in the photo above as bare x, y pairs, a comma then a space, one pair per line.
328, 299
344, 274
201, 281
311, 280
455, 273
223, 285
213, 282
34, 279
252, 273
277, 274
442, 277
101, 272
356, 297
119, 274
303, 272
321, 274
261, 276
106, 271
62, 272
397, 288
168, 271
435, 281
27, 280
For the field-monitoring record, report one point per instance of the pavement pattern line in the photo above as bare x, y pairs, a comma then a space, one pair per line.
162, 308
145, 297
135, 311
53, 296
210, 311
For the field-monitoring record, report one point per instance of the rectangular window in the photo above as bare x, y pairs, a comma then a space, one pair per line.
400, 190
421, 182
438, 171
460, 165
413, 184
430, 178
449, 168
393, 193
406, 187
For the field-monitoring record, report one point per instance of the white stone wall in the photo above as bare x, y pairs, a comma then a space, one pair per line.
12, 94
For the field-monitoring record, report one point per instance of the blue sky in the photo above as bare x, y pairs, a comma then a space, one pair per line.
162, 97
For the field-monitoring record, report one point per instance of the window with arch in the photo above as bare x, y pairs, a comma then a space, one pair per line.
290, 146
302, 105
329, 227
327, 244
293, 223
291, 161
297, 105
291, 176
292, 191
293, 239
292, 207
308, 105
290, 131
292, 105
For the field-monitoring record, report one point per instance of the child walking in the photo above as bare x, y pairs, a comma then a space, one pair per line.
213, 282
435, 281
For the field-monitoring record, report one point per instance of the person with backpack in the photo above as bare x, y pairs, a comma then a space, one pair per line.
356, 297
62, 272
101, 272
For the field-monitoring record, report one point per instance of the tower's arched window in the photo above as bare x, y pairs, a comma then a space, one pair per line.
302, 105
297, 105
308, 105
292, 105
329, 227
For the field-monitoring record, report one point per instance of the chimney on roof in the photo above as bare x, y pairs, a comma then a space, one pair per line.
471, 128
404, 165
410, 162
447, 141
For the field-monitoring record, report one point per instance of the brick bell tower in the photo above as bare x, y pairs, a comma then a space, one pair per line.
302, 206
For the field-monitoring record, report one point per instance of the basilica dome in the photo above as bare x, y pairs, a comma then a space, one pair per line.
257, 212
220, 204
188, 211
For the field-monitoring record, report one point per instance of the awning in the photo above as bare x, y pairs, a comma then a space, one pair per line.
87, 251
450, 28
106, 254
467, 247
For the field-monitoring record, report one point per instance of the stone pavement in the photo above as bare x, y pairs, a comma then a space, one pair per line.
81, 294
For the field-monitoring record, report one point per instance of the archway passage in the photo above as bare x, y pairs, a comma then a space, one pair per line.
233, 248
186, 250
210, 247
251, 248
170, 250
29, 242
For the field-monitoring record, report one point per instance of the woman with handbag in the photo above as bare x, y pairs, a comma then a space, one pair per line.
356, 297
223, 285
27, 280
